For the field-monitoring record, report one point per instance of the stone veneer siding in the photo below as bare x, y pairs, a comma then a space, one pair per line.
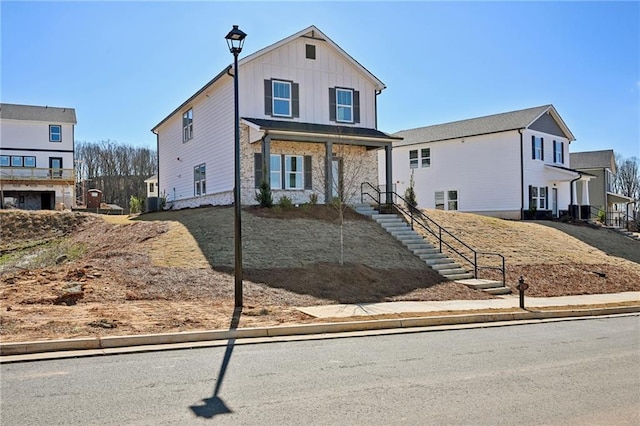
369, 173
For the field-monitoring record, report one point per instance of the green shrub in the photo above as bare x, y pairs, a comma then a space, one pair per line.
264, 196
602, 216
135, 204
410, 194
285, 202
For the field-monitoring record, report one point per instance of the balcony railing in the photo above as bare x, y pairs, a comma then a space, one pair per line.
32, 174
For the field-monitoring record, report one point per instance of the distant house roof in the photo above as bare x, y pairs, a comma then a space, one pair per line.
38, 113
496, 123
320, 129
604, 159
151, 178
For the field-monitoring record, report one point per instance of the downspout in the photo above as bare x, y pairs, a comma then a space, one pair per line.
571, 194
157, 167
375, 101
521, 174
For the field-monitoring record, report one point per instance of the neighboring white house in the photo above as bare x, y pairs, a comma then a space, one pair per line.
306, 108
37, 157
511, 165
152, 186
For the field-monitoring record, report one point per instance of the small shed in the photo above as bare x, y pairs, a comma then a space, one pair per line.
94, 198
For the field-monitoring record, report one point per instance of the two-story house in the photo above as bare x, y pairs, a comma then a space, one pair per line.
36, 157
306, 108
607, 203
513, 165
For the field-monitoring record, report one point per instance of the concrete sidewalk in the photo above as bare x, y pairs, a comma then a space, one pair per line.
505, 302
455, 313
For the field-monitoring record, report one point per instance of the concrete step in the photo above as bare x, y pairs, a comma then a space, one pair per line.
455, 277
498, 291
453, 271
447, 267
417, 246
435, 259
430, 250
481, 284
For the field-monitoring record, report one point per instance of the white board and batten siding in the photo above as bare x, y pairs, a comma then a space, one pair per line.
212, 144
315, 76
484, 170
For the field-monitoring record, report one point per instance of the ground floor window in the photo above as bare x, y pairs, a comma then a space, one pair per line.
294, 172
538, 197
451, 201
275, 170
200, 179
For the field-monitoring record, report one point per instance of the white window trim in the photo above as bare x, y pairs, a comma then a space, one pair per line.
423, 157
300, 162
539, 200
200, 186
58, 133
348, 106
558, 148
187, 128
414, 163
450, 200
274, 98
537, 147
275, 183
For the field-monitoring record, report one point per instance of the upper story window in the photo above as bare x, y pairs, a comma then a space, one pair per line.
55, 133
187, 125
537, 148
4, 161
344, 105
281, 98
610, 181
423, 161
558, 152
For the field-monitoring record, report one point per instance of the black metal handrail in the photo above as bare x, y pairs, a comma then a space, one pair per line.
418, 217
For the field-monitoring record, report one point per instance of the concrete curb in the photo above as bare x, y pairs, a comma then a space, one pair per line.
94, 346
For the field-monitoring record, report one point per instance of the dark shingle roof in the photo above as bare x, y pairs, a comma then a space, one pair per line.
324, 129
474, 126
38, 113
592, 159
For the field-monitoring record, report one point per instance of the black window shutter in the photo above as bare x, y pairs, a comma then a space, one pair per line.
283, 167
546, 197
356, 106
332, 104
555, 151
530, 197
533, 147
295, 99
268, 98
542, 147
257, 167
562, 152
308, 182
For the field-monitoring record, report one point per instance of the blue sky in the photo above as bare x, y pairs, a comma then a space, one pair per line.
125, 65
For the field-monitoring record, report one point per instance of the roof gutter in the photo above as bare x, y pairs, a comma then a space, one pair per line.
375, 106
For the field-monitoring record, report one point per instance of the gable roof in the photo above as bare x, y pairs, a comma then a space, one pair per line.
604, 159
37, 113
311, 32
496, 123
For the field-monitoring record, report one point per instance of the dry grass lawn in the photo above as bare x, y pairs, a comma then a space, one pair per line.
72, 275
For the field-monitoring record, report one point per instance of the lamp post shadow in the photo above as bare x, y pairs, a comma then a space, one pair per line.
210, 407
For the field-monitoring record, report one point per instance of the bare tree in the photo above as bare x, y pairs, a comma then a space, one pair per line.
628, 177
118, 170
348, 169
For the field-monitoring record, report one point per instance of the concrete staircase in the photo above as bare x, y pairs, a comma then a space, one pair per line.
439, 262
632, 235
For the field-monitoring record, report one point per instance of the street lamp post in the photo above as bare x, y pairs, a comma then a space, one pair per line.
235, 40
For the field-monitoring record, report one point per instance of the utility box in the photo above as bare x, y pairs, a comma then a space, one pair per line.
94, 198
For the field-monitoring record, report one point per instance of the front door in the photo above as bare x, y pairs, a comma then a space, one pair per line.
55, 164
554, 201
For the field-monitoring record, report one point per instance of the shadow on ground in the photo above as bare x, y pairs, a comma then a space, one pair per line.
607, 240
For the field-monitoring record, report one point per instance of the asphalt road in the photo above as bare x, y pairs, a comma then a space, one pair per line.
563, 373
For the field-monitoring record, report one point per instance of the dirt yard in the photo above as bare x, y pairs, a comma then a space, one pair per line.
74, 275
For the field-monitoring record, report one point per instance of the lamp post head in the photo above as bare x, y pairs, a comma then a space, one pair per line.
235, 40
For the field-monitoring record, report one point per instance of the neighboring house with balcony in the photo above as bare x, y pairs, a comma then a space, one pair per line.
513, 165
37, 157
601, 194
306, 107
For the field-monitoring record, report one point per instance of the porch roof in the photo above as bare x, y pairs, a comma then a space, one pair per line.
565, 173
619, 198
312, 132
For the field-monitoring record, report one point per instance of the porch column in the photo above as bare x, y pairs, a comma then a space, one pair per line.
574, 193
388, 173
585, 193
328, 172
266, 159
